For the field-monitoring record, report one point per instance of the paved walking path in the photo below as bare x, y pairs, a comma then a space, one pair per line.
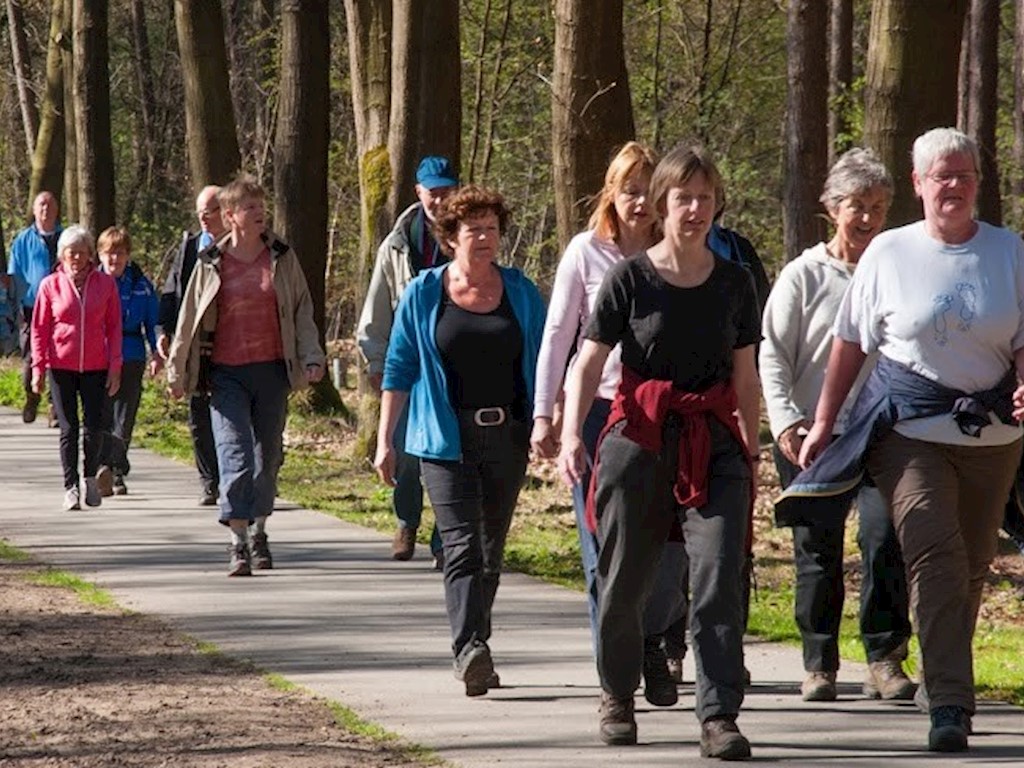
339, 617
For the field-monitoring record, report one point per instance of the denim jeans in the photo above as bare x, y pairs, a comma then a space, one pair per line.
248, 410
407, 498
473, 501
636, 508
201, 429
818, 553
67, 388
119, 416
589, 546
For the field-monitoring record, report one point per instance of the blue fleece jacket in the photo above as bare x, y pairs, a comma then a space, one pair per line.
30, 262
413, 363
139, 310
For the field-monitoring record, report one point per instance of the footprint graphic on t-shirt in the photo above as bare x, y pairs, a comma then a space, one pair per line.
968, 302
943, 303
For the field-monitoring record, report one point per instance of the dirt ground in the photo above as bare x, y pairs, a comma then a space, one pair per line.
84, 686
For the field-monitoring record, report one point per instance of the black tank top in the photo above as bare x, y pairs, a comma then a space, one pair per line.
481, 353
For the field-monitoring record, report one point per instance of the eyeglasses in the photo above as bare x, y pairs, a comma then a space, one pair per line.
945, 179
208, 211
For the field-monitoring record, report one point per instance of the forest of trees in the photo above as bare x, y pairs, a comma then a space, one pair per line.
126, 108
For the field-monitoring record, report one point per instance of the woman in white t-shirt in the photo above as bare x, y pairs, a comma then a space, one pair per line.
942, 302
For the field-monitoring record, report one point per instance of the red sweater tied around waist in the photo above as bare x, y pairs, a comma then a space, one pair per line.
643, 404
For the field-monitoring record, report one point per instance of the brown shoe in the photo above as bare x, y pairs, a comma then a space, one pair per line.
887, 680
404, 544
28, 413
721, 738
819, 686
675, 670
105, 481
618, 722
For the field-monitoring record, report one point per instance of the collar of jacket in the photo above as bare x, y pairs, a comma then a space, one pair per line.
212, 253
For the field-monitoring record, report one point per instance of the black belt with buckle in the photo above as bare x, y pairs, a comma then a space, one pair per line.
488, 417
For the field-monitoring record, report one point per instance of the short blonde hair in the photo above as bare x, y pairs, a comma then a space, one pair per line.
242, 187
112, 238
631, 159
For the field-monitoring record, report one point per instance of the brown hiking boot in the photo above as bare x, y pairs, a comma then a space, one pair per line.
618, 723
262, 560
404, 544
887, 680
819, 686
239, 564
721, 738
28, 413
105, 481
675, 670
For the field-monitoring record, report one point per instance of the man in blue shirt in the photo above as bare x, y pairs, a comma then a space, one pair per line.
33, 257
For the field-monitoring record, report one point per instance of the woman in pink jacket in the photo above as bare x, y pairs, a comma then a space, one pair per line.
76, 335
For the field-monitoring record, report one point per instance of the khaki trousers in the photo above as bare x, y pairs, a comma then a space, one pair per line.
947, 504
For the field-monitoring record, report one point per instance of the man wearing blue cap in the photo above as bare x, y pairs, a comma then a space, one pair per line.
408, 249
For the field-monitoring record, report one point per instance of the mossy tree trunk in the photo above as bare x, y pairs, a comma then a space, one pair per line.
983, 103
908, 92
48, 158
591, 105
840, 78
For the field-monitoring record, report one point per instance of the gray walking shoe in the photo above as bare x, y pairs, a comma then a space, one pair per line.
93, 497
618, 720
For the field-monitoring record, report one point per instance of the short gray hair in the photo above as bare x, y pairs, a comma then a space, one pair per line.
937, 143
857, 170
74, 235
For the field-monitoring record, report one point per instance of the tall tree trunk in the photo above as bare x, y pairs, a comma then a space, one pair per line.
369, 40
92, 115
840, 78
147, 92
70, 203
209, 117
806, 132
591, 107
1018, 112
964, 73
908, 93
300, 148
48, 158
426, 91
23, 73
983, 103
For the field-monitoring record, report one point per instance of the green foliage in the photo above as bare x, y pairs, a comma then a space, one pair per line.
86, 591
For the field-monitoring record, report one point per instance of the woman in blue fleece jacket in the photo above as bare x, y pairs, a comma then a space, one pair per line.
463, 354
139, 310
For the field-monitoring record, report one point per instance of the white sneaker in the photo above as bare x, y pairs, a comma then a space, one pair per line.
71, 499
93, 498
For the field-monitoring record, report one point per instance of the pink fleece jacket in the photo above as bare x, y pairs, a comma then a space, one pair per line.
75, 331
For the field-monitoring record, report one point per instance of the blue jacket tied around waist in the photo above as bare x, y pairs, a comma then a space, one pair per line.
892, 393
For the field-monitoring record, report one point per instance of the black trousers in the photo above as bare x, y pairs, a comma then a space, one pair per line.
68, 388
473, 502
119, 417
200, 427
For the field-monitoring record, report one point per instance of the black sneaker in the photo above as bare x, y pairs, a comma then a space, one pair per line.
208, 497
659, 687
261, 558
120, 489
474, 667
28, 413
239, 564
721, 738
949, 730
618, 720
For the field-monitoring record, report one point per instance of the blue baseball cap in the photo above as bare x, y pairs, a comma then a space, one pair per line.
435, 171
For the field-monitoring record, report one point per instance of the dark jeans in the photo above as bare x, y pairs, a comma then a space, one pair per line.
68, 387
25, 337
201, 429
248, 410
119, 417
407, 498
884, 599
473, 502
636, 507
